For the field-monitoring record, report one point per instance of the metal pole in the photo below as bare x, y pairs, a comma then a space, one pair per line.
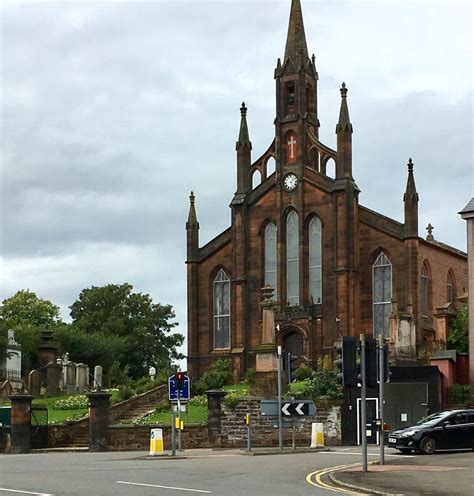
293, 442
249, 435
173, 435
179, 420
381, 391
280, 427
363, 403
288, 366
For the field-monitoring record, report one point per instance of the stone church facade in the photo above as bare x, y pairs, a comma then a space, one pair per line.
336, 267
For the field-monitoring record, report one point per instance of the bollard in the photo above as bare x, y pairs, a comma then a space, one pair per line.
156, 442
249, 431
317, 435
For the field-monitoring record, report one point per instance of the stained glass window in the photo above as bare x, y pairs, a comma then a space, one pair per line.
382, 293
292, 259
221, 311
271, 257
315, 261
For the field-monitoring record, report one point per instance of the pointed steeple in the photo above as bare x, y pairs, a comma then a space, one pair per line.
410, 199
344, 139
244, 140
410, 193
344, 123
192, 217
296, 40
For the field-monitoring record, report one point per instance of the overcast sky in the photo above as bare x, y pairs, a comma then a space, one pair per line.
111, 112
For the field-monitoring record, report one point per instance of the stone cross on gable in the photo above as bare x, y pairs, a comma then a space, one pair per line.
430, 236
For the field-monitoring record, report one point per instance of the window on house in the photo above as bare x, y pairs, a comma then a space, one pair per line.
382, 293
315, 261
221, 311
449, 289
292, 259
271, 257
425, 282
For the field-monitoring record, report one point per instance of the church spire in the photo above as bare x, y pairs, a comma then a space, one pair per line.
192, 217
410, 200
296, 39
344, 139
243, 147
244, 140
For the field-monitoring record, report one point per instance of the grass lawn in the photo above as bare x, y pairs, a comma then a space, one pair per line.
195, 415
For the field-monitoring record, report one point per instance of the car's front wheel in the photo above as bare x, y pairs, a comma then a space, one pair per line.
427, 445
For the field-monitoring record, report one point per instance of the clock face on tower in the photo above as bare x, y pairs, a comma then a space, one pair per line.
290, 182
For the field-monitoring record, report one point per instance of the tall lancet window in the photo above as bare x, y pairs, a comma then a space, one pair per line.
315, 261
449, 288
221, 311
382, 289
292, 259
425, 286
271, 257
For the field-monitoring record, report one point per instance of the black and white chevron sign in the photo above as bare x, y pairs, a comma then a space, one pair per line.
295, 409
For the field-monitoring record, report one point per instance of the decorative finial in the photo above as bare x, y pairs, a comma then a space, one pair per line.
191, 198
410, 165
343, 90
430, 236
243, 110
313, 59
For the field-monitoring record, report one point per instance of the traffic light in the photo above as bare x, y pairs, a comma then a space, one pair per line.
179, 378
371, 362
347, 361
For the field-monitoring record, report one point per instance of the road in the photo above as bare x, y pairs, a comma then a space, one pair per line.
129, 474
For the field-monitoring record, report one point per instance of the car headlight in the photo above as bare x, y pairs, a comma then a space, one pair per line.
408, 434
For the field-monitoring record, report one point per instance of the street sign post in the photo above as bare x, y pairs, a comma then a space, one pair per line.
184, 393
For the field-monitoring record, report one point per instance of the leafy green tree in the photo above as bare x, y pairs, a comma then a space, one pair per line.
144, 328
27, 315
458, 338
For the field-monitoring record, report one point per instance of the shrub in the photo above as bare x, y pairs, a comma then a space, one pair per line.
248, 376
163, 406
303, 373
125, 393
219, 375
200, 400
118, 375
72, 403
459, 394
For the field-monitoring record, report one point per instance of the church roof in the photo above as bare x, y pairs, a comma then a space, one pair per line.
296, 39
469, 208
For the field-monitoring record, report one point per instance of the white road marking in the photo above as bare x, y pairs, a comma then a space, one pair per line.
359, 453
164, 487
23, 492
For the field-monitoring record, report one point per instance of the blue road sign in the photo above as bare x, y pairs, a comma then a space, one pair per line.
173, 393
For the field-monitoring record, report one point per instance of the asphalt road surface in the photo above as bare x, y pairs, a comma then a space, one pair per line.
129, 474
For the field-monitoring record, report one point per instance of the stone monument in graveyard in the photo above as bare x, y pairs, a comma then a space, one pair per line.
10, 365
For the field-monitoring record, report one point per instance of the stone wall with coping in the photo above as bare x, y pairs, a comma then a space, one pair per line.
265, 429
118, 410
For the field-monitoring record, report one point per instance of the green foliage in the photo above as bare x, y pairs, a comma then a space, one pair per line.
234, 395
303, 373
141, 329
118, 375
77, 402
163, 406
199, 400
136, 387
248, 376
219, 375
125, 393
459, 394
458, 338
322, 383
27, 315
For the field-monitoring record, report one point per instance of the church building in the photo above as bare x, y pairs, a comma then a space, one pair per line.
336, 267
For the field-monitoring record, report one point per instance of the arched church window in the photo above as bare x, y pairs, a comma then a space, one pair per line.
449, 289
382, 293
292, 259
271, 166
291, 95
221, 310
271, 257
315, 260
425, 287
256, 178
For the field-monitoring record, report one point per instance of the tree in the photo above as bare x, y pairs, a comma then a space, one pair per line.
27, 315
141, 326
458, 338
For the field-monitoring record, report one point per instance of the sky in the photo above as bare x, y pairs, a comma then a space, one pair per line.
112, 112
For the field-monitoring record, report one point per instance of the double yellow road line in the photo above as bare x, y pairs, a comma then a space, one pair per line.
315, 478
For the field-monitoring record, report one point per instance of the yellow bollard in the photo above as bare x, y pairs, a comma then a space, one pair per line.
317, 435
156, 442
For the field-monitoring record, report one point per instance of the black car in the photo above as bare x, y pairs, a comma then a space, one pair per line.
452, 429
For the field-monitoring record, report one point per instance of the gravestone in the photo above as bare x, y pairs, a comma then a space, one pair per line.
88, 376
53, 374
81, 378
97, 377
6, 391
10, 366
34, 383
70, 378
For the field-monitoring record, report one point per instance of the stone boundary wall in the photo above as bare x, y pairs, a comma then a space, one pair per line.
137, 437
265, 429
